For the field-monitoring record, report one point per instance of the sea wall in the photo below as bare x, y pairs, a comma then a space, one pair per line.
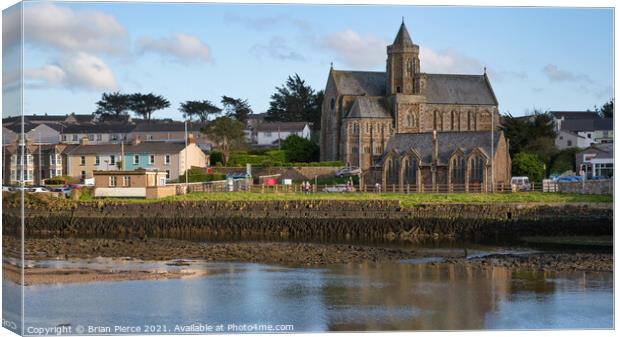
587, 187
312, 220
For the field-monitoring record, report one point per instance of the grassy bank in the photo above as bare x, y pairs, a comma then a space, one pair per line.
407, 200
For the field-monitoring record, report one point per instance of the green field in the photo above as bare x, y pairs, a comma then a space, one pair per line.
407, 200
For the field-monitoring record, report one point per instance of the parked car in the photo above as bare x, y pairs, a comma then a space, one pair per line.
520, 183
64, 190
348, 171
38, 189
7, 188
568, 179
337, 188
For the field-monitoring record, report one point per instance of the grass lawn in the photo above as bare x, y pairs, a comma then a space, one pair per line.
407, 200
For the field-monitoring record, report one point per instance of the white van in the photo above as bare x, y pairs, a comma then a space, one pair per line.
520, 183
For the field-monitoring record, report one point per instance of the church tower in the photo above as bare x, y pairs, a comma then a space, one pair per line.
403, 64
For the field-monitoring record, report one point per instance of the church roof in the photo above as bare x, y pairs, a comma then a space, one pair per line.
369, 107
447, 142
459, 89
371, 83
402, 37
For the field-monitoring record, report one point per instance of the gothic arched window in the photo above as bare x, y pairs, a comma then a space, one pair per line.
454, 120
457, 165
392, 171
476, 170
435, 119
332, 103
410, 68
410, 171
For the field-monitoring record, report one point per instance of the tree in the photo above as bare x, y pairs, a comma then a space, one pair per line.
563, 160
112, 105
607, 110
527, 164
525, 132
199, 110
300, 150
296, 102
227, 133
144, 105
237, 108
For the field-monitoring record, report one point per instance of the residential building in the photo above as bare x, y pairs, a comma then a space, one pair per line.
271, 133
168, 157
596, 160
584, 132
97, 133
409, 128
170, 131
139, 183
560, 116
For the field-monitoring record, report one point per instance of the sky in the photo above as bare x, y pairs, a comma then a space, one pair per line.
536, 58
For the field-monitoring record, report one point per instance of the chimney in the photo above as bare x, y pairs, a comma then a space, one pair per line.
84, 141
136, 140
190, 138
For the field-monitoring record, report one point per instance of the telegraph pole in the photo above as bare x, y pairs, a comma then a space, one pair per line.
186, 168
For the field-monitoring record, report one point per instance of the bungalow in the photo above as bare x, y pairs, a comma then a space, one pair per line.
138, 183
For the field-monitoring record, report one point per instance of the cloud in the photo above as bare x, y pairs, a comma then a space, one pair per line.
556, 74
277, 48
67, 30
78, 71
448, 62
181, 47
268, 22
356, 50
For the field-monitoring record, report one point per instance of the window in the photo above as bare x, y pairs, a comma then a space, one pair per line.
136, 159
114, 137
162, 181
569, 143
82, 160
378, 149
64, 138
410, 68
393, 171
454, 120
83, 175
58, 159
152, 159
409, 120
74, 138
111, 181
149, 137
458, 171
332, 103
91, 137
112, 160
29, 159
127, 181
589, 135
12, 174
267, 134
398, 89
167, 159
471, 123
97, 160
436, 118
99, 137
167, 174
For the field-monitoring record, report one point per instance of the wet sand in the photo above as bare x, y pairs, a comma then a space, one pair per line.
279, 253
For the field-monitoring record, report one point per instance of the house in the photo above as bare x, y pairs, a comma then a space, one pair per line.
140, 183
168, 157
560, 116
584, 132
169, 131
271, 133
42, 161
596, 161
97, 133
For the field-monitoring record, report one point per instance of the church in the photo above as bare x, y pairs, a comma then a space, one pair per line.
414, 131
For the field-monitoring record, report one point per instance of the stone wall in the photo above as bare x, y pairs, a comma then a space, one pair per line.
295, 173
587, 187
324, 220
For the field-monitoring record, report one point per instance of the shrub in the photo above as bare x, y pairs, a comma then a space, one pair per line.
526, 164
299, 149
215, 157
197, 174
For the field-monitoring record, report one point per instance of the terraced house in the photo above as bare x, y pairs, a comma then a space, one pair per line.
169, 157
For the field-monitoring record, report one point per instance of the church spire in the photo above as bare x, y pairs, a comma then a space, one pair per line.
403, 38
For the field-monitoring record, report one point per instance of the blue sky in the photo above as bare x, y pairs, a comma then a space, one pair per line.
546, 58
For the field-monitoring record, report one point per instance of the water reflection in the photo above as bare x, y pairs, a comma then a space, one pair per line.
360, 297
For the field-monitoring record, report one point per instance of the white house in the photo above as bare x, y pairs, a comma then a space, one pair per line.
269, 134
582, 133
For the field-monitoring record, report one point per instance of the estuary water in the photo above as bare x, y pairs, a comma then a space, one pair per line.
405, 295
